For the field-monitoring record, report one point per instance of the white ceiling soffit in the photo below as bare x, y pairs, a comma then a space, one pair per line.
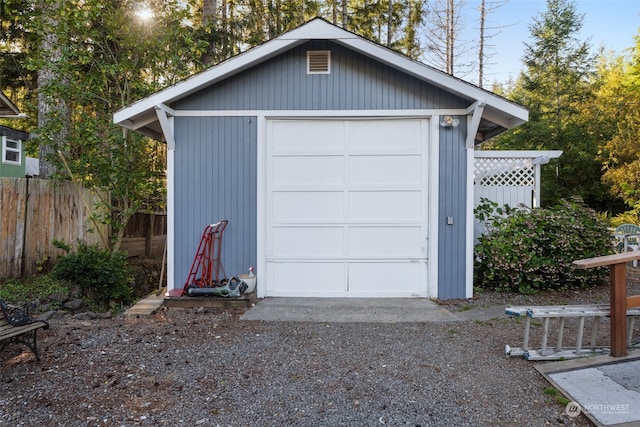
141, 115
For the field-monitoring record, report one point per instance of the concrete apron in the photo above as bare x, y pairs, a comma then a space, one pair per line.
369, 310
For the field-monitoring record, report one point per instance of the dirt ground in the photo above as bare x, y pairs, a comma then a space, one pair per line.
199, 367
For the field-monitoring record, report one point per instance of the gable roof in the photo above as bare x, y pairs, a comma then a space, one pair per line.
498, 113
8, 109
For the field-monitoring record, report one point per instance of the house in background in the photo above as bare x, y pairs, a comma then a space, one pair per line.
344, 168
13, 162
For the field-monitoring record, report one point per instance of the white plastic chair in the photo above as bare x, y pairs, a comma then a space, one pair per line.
628, 239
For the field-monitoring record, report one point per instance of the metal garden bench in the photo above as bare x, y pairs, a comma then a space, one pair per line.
17, 326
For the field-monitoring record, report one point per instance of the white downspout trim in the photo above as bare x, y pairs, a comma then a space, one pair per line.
167, 123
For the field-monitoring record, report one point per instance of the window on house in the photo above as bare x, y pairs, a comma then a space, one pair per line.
318, 62
11, 151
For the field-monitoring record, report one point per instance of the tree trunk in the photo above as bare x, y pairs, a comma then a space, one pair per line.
450, 35
209, 22
389, 23
481, 45
209, 8
344, 14
50, 106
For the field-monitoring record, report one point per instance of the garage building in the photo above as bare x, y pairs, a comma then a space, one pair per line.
344, 168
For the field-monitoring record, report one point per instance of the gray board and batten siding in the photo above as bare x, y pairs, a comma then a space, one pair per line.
216, 157
216, 179
356, 82
452, 203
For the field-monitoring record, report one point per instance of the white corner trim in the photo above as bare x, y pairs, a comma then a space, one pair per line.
171, 233
261, 251
433, 194
469, 233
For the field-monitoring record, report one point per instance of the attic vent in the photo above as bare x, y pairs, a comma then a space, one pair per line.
318, 62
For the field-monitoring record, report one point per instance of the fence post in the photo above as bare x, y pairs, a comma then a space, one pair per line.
618, 317
23, 254
619, 302
149, 238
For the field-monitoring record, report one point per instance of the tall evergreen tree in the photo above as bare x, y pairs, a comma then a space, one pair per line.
558, 66
393, 23
554, 85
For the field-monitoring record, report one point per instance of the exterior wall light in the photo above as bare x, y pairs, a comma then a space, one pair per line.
448, 122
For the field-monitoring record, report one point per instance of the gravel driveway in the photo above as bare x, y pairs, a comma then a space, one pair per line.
196, 367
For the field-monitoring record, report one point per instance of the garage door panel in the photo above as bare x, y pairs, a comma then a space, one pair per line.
307, 170
346, 207
308, 206
309, 278
383, 279
400, 206
381, 242
301, 242
294, 136
385, 170
366, 135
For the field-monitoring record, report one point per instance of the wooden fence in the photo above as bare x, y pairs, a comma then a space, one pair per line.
34, 212
145, 235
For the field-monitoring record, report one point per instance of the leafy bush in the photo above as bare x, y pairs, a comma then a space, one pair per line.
629, 217
527, 250
104, 276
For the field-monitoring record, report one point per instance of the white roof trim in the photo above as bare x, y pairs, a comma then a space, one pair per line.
200, 80
530, 154
323, 30
317, 29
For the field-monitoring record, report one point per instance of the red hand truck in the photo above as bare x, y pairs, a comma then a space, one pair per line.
207, 259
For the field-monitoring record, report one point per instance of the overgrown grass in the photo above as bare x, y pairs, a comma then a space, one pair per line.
29, 289
555, 394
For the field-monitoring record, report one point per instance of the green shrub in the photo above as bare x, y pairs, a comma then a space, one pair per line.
629, 217
104, 276
527, 250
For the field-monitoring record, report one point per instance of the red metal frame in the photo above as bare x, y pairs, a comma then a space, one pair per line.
207, 259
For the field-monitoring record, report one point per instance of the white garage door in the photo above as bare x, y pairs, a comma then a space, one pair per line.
346, 207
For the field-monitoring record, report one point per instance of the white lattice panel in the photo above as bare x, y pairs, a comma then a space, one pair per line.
504, 172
